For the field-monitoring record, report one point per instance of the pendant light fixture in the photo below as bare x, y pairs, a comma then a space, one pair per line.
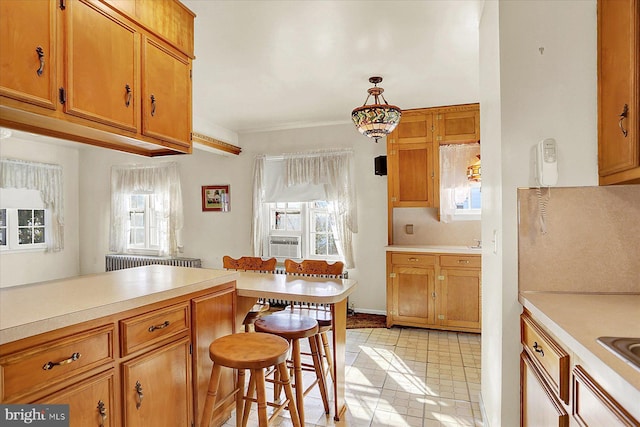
376, 120
474, 170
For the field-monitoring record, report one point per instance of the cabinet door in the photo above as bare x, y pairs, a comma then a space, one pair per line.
27, 62
101, 66
458, 127
618, 58
157, 387
91, 403
415, 127
411, 175
413, 295
166, 102
460, 304
538, 405
212, 317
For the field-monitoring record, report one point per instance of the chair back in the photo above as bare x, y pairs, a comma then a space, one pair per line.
313, 267
249, 263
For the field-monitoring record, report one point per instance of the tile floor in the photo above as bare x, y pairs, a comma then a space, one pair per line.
403, 377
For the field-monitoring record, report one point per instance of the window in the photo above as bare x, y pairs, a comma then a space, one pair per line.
146, 209
143, 229
25, 224
300, 230
460, 199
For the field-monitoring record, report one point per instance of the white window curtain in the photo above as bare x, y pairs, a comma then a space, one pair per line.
333, 171
163, 181
454, 185
45, 178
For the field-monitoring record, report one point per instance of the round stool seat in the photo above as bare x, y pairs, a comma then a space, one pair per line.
289, 326
249, 351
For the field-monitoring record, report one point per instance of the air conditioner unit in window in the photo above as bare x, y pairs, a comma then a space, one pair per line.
284, 246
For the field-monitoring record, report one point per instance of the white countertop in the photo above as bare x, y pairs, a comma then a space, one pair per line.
36, 308
294, 288
466, 250
41, 307
577, 320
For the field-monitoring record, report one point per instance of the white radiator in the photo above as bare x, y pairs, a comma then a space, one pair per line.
118, 262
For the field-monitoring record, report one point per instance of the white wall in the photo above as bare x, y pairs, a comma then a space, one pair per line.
26, 267
527, 96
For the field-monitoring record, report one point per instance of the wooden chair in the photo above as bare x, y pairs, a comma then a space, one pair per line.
320, 312
248, 263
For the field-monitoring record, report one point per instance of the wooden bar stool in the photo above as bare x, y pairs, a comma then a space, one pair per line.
293, 328
255, 351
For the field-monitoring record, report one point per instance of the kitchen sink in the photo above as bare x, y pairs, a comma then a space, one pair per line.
627, 349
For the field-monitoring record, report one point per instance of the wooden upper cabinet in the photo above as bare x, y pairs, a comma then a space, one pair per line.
101, 66
618, 91
457, 126
166, 95
28, 59
412, 182
414, 127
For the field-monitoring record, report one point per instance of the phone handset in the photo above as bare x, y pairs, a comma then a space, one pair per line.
547, 162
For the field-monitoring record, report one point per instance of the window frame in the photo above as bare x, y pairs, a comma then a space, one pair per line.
149, 223
13, 234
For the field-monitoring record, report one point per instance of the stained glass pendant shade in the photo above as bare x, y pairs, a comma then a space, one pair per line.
376, 120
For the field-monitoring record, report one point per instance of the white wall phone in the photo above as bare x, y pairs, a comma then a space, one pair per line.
547, 162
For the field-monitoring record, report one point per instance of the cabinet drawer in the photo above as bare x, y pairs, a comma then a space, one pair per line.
150, 328
592, 406
53, 362
401, 258
552, 360
460, 261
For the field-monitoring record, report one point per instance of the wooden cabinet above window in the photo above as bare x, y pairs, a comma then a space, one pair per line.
111, 73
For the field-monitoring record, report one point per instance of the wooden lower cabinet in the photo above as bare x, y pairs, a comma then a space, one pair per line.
148, 366
91, 403
441, 291
539, 405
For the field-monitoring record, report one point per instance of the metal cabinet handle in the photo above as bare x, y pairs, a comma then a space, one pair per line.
161, 326
40, 53
50, 365
102, 411
413, 259
140, 395
127, 96
623, 115
538, 349
153, 105
463, 261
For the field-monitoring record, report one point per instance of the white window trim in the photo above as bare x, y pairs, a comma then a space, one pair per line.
147, 248
12, 232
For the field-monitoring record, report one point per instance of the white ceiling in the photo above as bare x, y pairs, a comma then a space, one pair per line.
263, 65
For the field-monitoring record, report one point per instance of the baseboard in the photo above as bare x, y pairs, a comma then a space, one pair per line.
369, 311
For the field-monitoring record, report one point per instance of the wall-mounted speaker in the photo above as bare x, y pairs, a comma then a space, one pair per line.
380, 165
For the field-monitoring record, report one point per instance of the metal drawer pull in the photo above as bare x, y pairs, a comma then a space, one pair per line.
162, 326
40, 53
463, 261
538, 349
50, 365
414, 259
140, 394
623, 115
102, 412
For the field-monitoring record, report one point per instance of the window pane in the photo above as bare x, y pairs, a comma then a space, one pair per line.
294, 205
3, 237
3, 217
333, 250
279, 220
139, 233
38, 235
321, 244
320, 222
320, 204
137, 220
38, 217
294, 221
137, 201
25, 217
24, 236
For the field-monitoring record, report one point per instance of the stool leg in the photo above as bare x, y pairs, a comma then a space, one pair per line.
327, 353
297, 372
247, 405
288, 391
211, 396
239, 397
318, 366
262, 398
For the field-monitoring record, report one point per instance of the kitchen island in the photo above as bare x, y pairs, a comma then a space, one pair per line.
122, 347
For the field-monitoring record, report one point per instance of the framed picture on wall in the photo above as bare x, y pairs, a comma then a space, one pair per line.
216, 198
